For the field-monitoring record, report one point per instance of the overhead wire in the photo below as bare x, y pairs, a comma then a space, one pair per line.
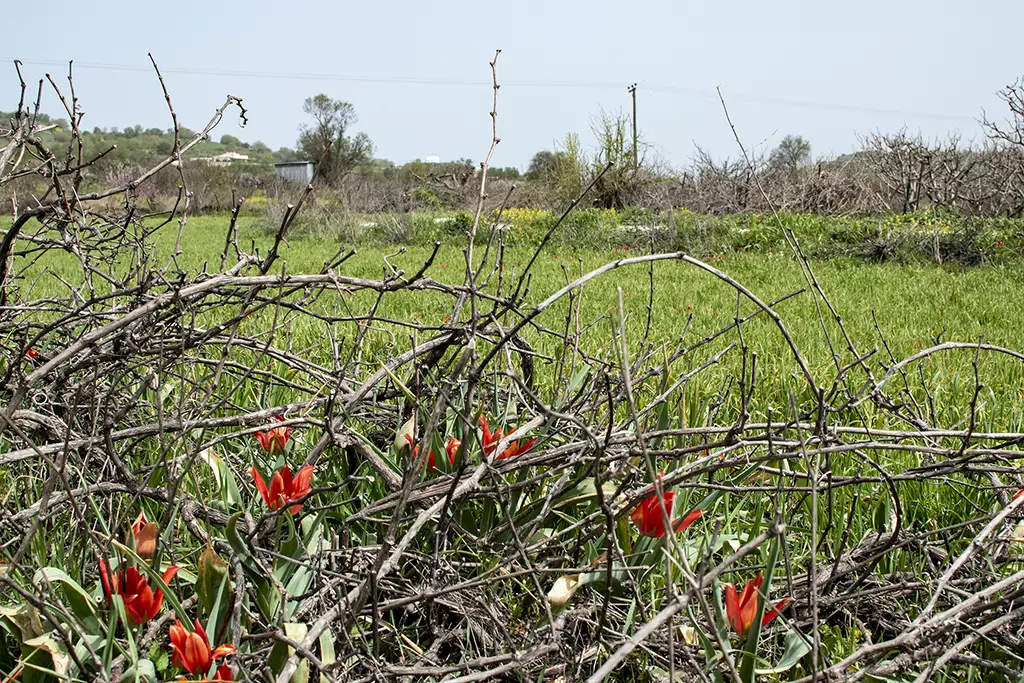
528, 83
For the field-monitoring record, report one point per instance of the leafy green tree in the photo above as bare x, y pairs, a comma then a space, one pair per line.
542, 166
327, 141
792, 153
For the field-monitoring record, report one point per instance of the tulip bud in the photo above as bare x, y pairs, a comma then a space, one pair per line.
406, 436
144, 533
562, 591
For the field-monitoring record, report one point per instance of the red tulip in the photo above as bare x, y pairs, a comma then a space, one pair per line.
647, 515
451, 447
283, 488
145, 533
491, 440
741, 609
192, 651
32, 353
141, 603
274, 439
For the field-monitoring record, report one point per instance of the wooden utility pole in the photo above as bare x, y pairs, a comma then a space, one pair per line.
636, 156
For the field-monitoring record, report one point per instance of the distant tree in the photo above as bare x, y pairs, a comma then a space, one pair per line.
154, 131
260, 147
622, 184
327, 141
230, 141
542, 166
507, 173
286, 154
793, 152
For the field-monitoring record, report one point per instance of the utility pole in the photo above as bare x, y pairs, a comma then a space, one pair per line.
636, 156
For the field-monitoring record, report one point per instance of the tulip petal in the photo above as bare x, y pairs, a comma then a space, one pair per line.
196, 657
732, 609
486, 429
261, 486
286, 480
264, 440
276, 490
145, 540
139, 522
452, 448
178, 637
686, 521
223, 651
108, 582
302, 480
774, 612
201, 632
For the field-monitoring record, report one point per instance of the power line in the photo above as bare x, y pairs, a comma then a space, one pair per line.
468, 82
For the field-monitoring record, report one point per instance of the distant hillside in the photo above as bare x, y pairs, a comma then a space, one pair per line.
138, 146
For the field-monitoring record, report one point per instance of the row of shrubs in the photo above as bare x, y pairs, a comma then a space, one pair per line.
924, 235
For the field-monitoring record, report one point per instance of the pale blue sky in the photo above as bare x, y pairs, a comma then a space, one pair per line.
824, 70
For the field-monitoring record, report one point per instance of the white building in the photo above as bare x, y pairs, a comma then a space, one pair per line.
228, 158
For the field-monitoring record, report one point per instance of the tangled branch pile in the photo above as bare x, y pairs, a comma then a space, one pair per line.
448, 501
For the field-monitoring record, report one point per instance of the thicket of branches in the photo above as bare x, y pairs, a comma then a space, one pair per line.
140, 385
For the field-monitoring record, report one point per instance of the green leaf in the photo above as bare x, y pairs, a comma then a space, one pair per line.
327, 656
218, 609
224, 478
56, 650
280, 653
880, 518
576, 382
79, 600
143, 671
212, 574
160, 657
297, 632
796, 646
237, 544
25, 619
299, 585
45, 658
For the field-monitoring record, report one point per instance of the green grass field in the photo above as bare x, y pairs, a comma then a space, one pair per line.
893, 310
912, 305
